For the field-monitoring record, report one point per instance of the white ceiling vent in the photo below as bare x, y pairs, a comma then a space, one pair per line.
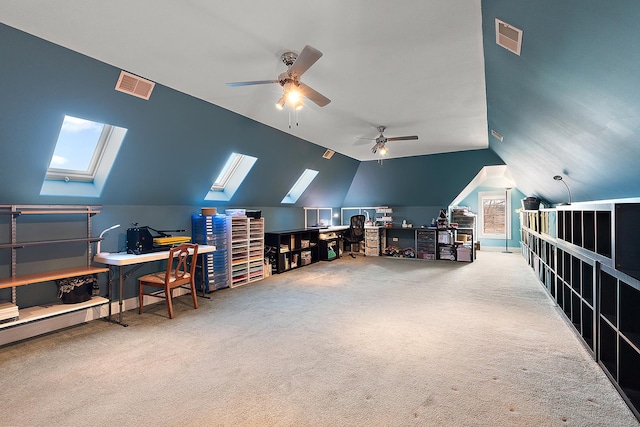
328, 154
508, 36
134, 85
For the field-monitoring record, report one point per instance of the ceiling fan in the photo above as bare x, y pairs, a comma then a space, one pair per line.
381, 140
294, 89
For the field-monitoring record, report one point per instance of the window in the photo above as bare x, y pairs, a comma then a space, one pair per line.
314, 217
301, 184
82, 158
494, 216
230, 177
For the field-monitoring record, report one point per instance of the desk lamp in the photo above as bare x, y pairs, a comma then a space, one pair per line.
559, 178
100, 237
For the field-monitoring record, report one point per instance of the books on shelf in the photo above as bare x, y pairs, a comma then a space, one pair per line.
8, 311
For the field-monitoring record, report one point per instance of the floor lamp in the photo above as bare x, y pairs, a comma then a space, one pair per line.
506, 221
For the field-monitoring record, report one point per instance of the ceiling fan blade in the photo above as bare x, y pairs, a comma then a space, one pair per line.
403, 138
256, 82
313, 95
306, 59
363, 141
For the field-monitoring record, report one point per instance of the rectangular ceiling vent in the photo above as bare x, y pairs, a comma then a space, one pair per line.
496, 135
134, 85
508, 36
328, 154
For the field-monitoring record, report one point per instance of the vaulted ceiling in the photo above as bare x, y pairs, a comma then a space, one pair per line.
415, 66
569, 105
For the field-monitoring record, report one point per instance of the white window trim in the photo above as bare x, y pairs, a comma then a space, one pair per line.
231, 177
89, 175
89, 187
494, 195
300, 186
228, 171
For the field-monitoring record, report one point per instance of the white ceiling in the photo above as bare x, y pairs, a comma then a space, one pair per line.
415, 66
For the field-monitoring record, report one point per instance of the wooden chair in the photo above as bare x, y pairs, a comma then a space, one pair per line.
180, 271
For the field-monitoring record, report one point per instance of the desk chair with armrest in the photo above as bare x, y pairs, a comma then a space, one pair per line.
355, 233
180, 271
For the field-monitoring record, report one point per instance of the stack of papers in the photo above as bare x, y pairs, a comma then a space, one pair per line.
171, 240
8, 310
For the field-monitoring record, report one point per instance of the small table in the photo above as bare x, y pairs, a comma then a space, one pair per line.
331, 236
122, 259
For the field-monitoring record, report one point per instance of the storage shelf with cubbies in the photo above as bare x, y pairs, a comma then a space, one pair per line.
587, 259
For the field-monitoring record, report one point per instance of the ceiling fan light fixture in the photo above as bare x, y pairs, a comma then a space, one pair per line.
293, 97
294, 90
383, 151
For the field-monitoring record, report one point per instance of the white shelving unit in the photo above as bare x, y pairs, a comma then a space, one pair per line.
246, 250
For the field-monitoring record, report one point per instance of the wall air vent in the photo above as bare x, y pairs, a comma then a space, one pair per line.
328, 154
508, 36
134, 85
496, 135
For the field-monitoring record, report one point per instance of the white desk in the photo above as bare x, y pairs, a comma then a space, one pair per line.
121, 259
333, 228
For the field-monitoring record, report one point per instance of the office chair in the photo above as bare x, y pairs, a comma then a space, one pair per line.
180, 271
355, 233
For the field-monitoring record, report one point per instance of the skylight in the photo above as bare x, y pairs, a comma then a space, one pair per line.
84, 153
300, 186
80, 145
231, 176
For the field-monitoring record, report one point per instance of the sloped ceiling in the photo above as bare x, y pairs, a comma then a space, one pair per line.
570, 104
414, 66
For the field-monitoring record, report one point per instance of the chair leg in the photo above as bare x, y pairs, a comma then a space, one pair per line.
351, 250
140, 297
193, 294
169, 295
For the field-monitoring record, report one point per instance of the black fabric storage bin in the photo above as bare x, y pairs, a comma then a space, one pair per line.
531, 204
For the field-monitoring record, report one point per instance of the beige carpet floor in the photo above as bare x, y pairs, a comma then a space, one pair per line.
353, 342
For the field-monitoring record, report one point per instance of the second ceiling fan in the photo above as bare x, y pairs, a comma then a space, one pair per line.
381, 140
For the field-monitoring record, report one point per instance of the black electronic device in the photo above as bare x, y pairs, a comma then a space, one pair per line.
140, 240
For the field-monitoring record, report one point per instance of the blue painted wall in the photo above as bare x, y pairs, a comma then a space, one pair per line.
417, 181
174, 148
471, 201
570, 103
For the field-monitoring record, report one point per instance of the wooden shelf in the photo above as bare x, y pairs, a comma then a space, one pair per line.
28, 279
36, 228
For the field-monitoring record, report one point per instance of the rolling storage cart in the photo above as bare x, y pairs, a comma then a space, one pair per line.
214, 267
